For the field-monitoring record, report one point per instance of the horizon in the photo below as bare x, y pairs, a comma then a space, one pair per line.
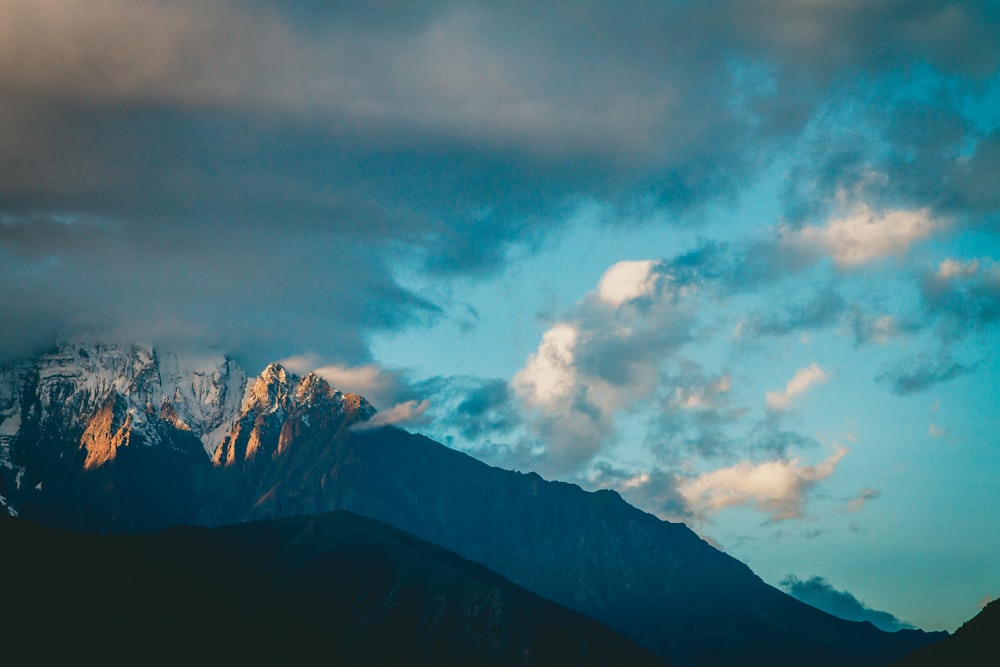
738, 261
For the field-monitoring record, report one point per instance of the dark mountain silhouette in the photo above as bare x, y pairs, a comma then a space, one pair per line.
975, 644
333, 587
128, 453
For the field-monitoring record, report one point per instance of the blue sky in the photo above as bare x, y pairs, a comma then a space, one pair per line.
738, 260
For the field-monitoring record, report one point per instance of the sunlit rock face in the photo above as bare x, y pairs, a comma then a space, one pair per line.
126, 437
112, 437
280, 407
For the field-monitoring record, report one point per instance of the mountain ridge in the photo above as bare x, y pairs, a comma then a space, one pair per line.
293, 450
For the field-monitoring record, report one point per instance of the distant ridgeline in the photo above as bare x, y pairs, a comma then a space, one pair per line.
112, 439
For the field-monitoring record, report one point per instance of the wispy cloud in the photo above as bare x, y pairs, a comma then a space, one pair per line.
922, 373
858, 503
411, 413
801, 382
964, 295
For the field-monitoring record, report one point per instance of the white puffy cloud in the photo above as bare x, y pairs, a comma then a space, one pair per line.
777, 488
862, 236
549, 376
603, 358
627, 280
803, 379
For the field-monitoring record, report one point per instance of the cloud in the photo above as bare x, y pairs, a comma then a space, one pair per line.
778, 488
627, 281
821, 310
964, 295
380, 385
603, 358
652, 490
922, 373
410, 413
862, 236
693, 414
703, 396
819, 593
935, 431
857, 503
800, 383
230, 165
880, 328
487, 410
952, 268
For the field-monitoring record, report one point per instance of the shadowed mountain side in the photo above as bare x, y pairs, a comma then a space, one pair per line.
336, 586
975, 644
655, 581
106, 440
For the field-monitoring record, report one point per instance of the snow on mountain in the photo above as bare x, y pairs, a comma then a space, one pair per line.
75, 381
81, 407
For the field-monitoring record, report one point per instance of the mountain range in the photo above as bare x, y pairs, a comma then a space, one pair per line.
290, 591
109, 439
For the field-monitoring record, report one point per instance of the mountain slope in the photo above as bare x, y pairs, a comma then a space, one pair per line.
289, 591
654, 581
974, 644
106, 462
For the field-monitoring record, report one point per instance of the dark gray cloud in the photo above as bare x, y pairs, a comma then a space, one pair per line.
694, 414
250, 174
820, 310
485, 412
963, 297
920, 373
879, 327
819, 593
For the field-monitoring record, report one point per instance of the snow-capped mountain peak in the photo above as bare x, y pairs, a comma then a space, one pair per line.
91, 402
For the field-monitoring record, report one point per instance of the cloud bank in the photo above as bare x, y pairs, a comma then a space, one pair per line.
251, 175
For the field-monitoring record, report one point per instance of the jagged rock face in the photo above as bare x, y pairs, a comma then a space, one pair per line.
108, 437
286, 439
279, 407
64, 389
127, 438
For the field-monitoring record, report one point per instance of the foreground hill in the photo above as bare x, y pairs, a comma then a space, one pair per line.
335, 587
111, 439
975, 644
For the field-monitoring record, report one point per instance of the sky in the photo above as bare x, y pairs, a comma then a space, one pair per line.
737, 259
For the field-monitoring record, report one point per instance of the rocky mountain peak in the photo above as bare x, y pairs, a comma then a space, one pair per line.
270, 390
